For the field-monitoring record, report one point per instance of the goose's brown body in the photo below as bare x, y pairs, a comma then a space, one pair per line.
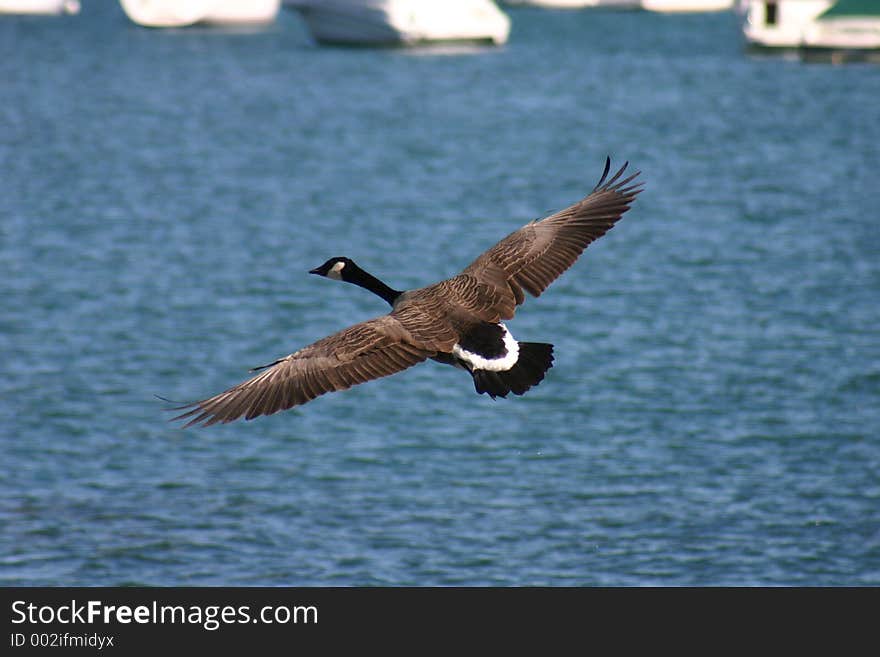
434, 321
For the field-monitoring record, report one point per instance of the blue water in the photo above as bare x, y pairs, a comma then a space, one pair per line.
714, 413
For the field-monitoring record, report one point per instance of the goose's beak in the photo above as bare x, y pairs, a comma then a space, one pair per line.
315, 271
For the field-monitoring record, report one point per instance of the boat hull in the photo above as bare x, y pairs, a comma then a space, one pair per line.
402, 22
686, 6
50, 7
770, 25
183, 13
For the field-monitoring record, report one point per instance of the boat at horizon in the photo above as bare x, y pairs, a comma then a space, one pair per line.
402, 22
183, 13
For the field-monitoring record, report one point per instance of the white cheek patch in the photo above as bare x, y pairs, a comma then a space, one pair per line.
335, 272
501, 364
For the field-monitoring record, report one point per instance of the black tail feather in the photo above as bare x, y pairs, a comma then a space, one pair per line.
489, 382
535, 358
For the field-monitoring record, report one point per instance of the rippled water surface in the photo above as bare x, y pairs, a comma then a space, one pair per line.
714, 413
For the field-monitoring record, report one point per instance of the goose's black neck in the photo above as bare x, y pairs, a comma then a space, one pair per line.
369, 282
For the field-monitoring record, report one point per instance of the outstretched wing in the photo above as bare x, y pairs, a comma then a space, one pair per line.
360, 353
538, 253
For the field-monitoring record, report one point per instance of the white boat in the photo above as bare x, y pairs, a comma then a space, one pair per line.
847, 30
577, 4
402, 22
780, 23
686, 6
39, 6
182, 13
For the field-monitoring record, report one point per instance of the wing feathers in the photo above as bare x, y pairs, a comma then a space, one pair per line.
363, 352
534, 256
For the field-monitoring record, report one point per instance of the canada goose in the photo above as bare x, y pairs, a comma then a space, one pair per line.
457, 321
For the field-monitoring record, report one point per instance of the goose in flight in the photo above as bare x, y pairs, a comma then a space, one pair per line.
458, 321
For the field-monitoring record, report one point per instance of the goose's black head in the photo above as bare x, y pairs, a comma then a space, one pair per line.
345, 269
339, 269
